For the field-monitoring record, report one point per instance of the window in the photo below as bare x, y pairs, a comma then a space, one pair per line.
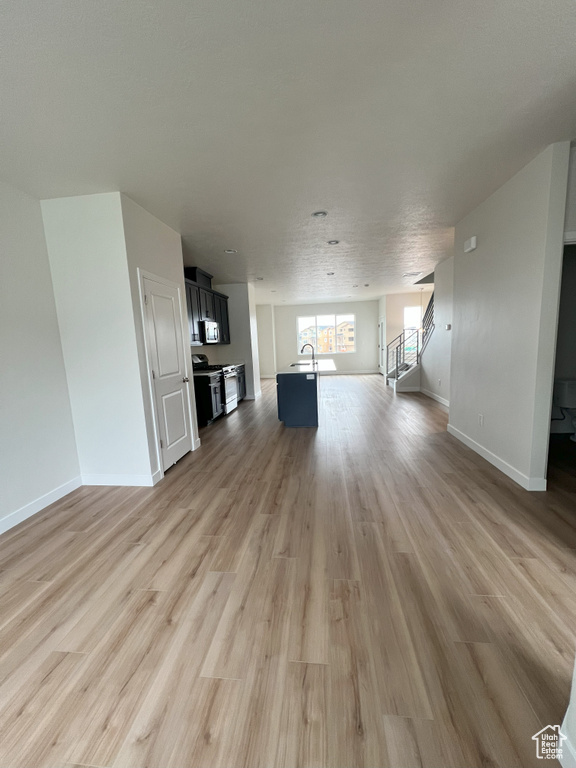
328, 334
412, 318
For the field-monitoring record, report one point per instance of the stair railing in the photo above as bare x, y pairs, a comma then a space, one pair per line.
403, 352
406, 349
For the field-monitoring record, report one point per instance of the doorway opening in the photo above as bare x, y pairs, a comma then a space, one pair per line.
562, 451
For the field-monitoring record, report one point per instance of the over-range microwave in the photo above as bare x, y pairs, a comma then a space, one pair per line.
210, 332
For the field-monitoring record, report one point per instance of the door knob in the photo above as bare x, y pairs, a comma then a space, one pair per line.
185, 379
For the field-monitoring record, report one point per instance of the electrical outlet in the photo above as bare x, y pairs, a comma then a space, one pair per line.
481, 419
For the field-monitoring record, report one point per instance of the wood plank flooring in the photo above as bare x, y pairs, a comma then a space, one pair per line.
370, 593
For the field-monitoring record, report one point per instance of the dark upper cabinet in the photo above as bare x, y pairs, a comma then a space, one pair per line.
205, 304
221, 316
193, 305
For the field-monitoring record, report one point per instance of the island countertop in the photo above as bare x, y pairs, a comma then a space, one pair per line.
318, 366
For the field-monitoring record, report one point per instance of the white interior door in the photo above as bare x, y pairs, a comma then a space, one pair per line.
169, 372
382, 344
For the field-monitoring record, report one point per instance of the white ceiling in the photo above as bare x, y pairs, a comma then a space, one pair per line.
234, 120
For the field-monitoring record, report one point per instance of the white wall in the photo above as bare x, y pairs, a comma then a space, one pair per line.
435, 362
266, 348
364, 360
154, 247
38, 461
243, 347
88, 260
395, 304
506, 296
255, 362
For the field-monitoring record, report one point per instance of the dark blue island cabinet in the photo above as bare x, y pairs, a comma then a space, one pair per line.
298, 398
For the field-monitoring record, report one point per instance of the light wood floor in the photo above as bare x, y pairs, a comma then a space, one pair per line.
370, 593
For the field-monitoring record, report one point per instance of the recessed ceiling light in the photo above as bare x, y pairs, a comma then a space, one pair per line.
333, 242
411, 274
230, 250
259, 278
355, 286
366, 285
320, 214
329, 273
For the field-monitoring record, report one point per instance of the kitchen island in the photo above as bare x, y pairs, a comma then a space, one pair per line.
297, 392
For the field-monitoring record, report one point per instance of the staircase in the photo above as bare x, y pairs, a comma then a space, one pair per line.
404, 352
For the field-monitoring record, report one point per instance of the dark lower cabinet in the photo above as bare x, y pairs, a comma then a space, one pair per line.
209, 401
241, 381
297, 399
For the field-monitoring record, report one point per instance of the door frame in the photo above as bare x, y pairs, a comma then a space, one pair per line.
382, 345
142, 275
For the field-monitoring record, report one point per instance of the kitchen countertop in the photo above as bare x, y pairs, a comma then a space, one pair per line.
317, 367
207, 373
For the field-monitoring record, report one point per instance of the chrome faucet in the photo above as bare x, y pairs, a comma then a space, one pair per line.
311, 347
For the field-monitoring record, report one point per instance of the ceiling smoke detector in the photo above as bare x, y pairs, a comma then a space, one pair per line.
411, 274
333, 242
320, 214
329, 273
230, 250
259, 278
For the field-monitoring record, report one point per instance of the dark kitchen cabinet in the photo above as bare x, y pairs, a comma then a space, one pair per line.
209, 400
297, 395
206, 305
241, 381
221, 317
193, 305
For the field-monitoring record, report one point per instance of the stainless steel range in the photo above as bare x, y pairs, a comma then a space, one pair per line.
229, 377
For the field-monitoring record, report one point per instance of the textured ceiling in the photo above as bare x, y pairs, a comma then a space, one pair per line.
233, 120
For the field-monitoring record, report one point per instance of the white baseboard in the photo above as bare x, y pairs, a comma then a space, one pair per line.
400, 389
267, 375
529, 483
157, 476
128, 480
19, 515
196, 443
436, 397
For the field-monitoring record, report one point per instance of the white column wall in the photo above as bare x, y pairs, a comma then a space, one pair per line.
88, 261
506, 296
39, 463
